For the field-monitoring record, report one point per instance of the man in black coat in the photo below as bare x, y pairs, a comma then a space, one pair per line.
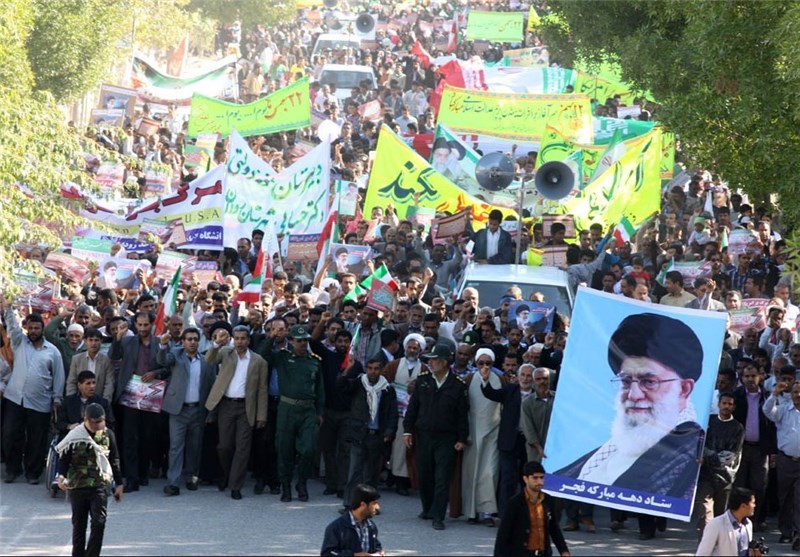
493, 245
71, 413
372, 424
517, 536
354, 533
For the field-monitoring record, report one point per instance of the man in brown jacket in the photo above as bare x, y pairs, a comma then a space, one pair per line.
238, 400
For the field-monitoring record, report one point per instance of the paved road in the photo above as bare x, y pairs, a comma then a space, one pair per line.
209, 522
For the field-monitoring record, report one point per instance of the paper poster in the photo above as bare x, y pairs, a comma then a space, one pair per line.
104, 118
451, 226
113, 97
302, 247
70, 266
348, 197
554, 256
147, 397
567, 220
537, 316
639, 379
381, 296
348, 258
743, 240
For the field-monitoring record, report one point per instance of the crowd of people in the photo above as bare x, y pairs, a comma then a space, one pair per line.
444, 395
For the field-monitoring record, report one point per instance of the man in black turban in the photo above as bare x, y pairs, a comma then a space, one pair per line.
655, 438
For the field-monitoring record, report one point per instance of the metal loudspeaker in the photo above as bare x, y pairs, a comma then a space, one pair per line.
494, 171
365, 23
554, 180
330, 4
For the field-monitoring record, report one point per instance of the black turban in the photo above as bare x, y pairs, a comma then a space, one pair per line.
666, 340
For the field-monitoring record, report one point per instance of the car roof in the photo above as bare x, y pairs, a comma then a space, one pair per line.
516, 273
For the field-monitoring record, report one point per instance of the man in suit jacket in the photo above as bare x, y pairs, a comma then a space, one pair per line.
190, 381
703, 288
493, 245
93, 360
71, 413
238, 399
513, 536
137, 356
720, 536
511, 440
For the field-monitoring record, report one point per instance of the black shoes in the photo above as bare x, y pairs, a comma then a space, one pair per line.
424, 516
302, 491
144, 482
274, 490
236, 494
191, 486
258, 489
130, 486
33, 481
438, 525
330, 491
402, 491
222, 485
785, 539
171, 490
11, 478
286, 493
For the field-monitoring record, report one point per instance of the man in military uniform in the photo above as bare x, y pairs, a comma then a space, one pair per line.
300, 407
437, 416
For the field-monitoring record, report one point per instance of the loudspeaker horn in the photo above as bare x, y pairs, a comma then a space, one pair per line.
494, 171
365, 23
330, 4
554, 180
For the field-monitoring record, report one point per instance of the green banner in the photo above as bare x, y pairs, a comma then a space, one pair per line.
498, 27
515, 115
604, 128
284, 110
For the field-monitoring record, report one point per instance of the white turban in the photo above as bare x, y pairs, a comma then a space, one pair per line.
484, 352
414, 336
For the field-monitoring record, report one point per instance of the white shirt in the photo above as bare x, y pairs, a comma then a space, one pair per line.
193, 385
236, 386
492, 243
91, 363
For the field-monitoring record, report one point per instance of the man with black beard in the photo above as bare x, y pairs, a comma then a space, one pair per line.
655, 438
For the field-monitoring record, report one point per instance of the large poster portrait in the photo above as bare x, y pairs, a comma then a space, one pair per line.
632, 407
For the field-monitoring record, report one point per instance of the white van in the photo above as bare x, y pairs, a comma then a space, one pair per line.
335, 41
345, 77
492, 282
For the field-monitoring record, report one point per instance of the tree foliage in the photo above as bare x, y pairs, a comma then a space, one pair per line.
248, 12
726, 74
72, 44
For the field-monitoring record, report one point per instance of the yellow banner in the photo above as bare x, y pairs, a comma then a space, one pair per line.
402, 178
667, 155
516, 116
631, 188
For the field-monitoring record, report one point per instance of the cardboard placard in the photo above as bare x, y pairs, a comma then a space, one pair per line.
302, 247
147, 397
567, 220
381, 296
70, 266
446, 227
113, 97
554, 256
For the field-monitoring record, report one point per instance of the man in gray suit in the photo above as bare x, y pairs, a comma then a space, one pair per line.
95, 361
190, 381
238, 400
703, 289
137, 356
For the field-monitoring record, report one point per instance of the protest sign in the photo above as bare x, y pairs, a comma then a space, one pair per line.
36, 292
153, 86
604, 128
206, 271
537, 316
421, 216
554, 256
567, 220
147, 397
348, 197
401, 177
535, 56
516, 115
70, 266
499, 27
294, 201
91, 249
456, 160
156, 230
610, 460
148, 127
747, 317
302, 247
349, 258
370, 110
169, 262
102, 117
158, 180
448, 227
629, 111
110, 175
743, 240
381, 296
113, 97
288, 108
691, 270
116, 272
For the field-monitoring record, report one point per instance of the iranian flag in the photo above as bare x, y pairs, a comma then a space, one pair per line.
252, 291
382, 274
168, 303
616, 148
452, 36
352, 350
467, 74
624, 231
421, 54
662, 276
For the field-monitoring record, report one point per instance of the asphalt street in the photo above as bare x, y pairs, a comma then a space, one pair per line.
207, 522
